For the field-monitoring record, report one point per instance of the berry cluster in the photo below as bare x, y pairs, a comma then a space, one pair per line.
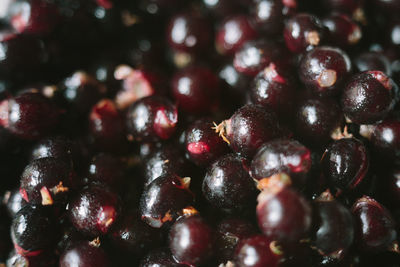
199, 133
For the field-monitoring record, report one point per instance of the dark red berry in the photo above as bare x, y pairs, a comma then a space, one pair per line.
373, 61
152, 118
369, 97
257, 251
282, 155
94, 210
196, 89
29, 115
375, 227
84, 254
107, 169
47, 181
13, 201
161, 258
284, 215
248, 128
274, 90
228, 186
233, 32
342, 31
303, 32
165, 199
202, 143
191, 240
345, 163
324, 70
34, 229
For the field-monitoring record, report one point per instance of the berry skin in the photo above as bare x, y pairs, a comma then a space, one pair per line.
274, 90
161, 258
303, 32
283, 215
29, 116
333, 230
342, 31
165, 199
257, 251
94, 210
282, 155
345, 163
47, 181
152, 118
248, 128
233, 33
324, 70
107, 169
369, 97
203, 145
191, 240
375, 227
373, 61
34, 229
84, 254
228, 186
196, 89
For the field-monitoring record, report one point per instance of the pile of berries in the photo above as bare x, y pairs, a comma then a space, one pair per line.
202, 133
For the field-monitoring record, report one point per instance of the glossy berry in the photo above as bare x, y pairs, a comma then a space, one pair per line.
34, 229
107, 169
248, 128
282, 155
196, 89
84, 254
333, 228
162, 161
151, 118
165, 199
202, 143
375, 227
222, 8
369, 97
29, 115
186, 33
33, 17
342, 31
269, 15
228, 186
230, 232
47, 258
347, 6
324, 70
316, 119
373, 61
303, 32
134, 236
107, 125
274, 90
254, 56
392, 186
384, 137
47, 181
94, 210
257, 251
191, 240
159, 257
345, 163
233, 33
283, 215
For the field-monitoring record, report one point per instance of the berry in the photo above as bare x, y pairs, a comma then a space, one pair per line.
324, 70
191, 240
342, 31
345, 163
84, 254
248, 128
159, 257
303, 32
107, 169
228, 186
203, 145
373, 61
369, 97
151, 118
282, 155
94, 210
